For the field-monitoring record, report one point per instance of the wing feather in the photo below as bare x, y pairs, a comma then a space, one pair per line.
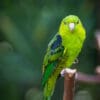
54, 52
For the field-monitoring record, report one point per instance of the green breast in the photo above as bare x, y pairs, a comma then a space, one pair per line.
73, 46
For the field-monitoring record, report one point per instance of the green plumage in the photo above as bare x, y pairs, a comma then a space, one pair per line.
61, 52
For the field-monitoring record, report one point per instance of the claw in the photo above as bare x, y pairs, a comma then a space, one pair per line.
76, 61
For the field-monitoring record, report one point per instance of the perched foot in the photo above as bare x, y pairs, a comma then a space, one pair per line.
68, 70
76, 61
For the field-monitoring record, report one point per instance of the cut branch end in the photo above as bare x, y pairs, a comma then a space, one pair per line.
69, 82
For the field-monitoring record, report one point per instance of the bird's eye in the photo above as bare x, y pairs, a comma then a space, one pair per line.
65, 23
77, 22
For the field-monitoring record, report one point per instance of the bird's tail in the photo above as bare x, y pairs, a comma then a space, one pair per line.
47, 98
49, 89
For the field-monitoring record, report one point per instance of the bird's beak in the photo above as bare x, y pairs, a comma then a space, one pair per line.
71, 26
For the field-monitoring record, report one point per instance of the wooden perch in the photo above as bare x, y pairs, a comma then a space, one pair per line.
85, 78
69, 82
70, 76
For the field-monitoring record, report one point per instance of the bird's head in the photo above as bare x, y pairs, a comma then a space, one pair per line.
70, 24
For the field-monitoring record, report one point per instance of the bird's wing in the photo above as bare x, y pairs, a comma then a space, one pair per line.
54, 52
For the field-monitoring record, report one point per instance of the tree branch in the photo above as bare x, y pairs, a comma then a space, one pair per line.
69, 82
70, 76
85, 78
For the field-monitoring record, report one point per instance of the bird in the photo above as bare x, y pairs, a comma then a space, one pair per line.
61, 52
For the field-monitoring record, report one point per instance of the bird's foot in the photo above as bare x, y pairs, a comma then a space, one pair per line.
76, 61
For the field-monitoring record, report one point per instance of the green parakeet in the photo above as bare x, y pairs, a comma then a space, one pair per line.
62, 50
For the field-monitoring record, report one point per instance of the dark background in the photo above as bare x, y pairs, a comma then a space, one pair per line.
26, 27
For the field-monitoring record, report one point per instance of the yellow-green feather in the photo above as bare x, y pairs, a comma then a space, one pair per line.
72, 42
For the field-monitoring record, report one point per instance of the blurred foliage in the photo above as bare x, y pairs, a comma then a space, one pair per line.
83, 95
26, 27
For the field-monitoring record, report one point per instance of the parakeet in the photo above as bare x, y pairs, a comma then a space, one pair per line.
62, 50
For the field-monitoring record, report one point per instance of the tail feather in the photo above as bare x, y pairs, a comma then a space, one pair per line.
47, 98
49, 88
